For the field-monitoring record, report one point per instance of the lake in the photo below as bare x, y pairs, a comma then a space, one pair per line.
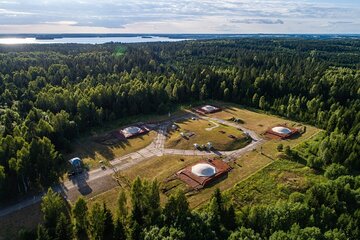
88, 40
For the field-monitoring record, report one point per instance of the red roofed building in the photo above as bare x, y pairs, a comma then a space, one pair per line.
133, 131
282, 132
203, 173
207, 109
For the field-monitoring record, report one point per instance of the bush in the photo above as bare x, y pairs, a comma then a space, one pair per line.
296, 197
288, 151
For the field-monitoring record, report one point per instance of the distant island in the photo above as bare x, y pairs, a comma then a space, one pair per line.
44, 38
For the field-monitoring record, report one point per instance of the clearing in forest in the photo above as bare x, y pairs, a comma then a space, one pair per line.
200, 131
92, 152
252, 119
163, 168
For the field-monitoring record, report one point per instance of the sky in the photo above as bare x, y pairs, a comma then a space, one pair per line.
180, 16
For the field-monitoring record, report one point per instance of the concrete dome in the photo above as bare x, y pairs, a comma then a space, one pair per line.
132, 130
203, 170
281, 130
208, 108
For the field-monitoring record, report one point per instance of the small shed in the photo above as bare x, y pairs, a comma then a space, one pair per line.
75, 162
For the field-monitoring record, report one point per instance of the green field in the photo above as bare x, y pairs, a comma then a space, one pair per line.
222, 137
92, 152
274, 182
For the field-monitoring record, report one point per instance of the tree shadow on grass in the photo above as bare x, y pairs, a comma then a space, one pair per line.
91, 148
295, 136
296, 157
228, 109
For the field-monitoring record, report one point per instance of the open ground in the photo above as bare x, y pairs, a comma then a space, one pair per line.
92, 152
202, 131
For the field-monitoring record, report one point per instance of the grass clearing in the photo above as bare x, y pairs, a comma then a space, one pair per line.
91, 152
252, 119
274, 182
222, 137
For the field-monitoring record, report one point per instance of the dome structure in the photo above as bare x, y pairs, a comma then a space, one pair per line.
132, 130
203, 170
209, 108
281, 130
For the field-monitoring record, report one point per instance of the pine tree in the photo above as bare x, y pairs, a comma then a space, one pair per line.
119, 230
137, 197
52, 206
80, 218
154, 203
42, 233
255, 99
214, 216
122, 206
108, 223
63, 229
135, 231
262, 103
176, 210
229, 220
97, 222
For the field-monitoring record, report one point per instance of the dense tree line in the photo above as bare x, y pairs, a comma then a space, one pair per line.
50, 94
325, 211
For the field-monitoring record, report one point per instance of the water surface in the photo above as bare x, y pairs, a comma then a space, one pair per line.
88, 40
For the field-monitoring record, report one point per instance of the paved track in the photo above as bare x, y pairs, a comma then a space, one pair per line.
80, 184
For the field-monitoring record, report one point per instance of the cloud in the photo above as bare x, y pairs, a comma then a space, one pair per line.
7, 12
8, 2
120, 14
257, 21
62, 23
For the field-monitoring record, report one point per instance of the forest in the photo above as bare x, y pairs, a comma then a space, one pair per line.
51, 94
325, 212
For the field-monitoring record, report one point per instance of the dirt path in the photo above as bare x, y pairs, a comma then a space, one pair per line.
213, 127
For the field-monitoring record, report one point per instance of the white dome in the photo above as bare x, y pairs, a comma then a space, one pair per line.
281, 130
203, 170
208, 108
132, 130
